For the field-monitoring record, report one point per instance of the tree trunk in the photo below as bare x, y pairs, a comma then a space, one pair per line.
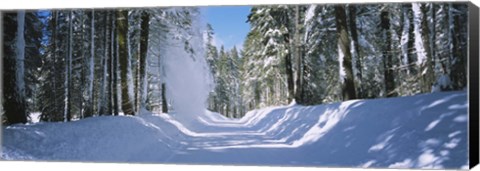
56, 114
289, 72
110, 67
288, 63
164, 99
136, 83
353, 30
458, 73
102, 99
433, 35
299, 53
444, 59
114, 67
89, 103
122, 35
387, 55
143, 59
348, 86
68, 70
83, 73
411, 40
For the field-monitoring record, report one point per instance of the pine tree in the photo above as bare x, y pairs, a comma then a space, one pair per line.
221, 87
33, 58
51, 86
250, 69
14, 54
212, 58
320, 62
282, 38
235, 63
270, 28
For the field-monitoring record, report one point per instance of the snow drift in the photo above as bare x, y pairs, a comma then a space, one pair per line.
423, 131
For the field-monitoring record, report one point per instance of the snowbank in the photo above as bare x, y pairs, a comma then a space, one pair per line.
423, 131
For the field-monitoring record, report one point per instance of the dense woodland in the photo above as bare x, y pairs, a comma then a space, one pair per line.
76, 63
316, 54
87, 62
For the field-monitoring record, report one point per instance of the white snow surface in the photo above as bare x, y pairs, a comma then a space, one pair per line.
422, 131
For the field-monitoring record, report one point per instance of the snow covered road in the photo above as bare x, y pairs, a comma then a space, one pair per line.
423, 131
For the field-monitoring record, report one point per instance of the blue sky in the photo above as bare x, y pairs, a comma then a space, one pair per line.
229, 24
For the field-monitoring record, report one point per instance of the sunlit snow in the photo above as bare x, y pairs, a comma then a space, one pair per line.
360, 133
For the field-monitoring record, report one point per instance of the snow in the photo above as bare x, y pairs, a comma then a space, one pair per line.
368, 164
34, 117
359, 133
293, 103
443, 83
428, 160
453, 134
380, 146
419, 46
452, 144
130, 75
460, 119
432, 125
310, 13
404, 38
435, 88
342, 72
187, 77
407, 163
